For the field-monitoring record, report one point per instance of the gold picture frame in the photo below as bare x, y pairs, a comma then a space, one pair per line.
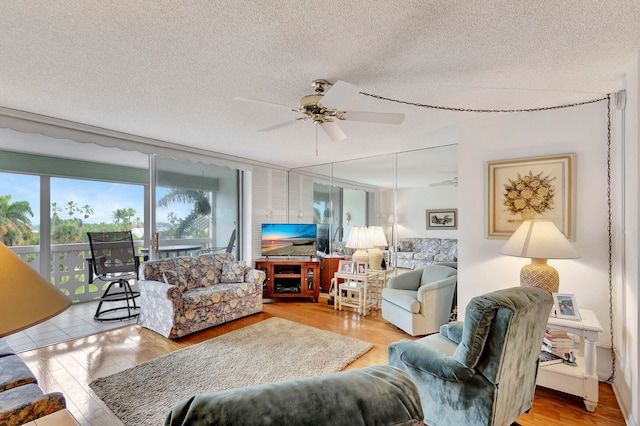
530, 188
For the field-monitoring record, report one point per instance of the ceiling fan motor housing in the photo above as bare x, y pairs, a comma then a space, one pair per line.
311, 105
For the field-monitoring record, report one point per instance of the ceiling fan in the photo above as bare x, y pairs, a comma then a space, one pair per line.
452, 182
323, 108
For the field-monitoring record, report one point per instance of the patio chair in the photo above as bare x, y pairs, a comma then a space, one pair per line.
227, 249
113, 261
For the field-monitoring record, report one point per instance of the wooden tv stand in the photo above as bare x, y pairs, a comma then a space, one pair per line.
291, 278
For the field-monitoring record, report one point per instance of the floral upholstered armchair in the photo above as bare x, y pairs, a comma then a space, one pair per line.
182, 295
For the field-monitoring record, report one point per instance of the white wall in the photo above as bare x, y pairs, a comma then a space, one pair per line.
412, 206
581, 130
627, 343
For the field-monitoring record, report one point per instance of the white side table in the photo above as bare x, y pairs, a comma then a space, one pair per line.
581, 380
383, 278
355, 284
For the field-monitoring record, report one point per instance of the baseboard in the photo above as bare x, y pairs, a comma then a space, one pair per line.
623, 397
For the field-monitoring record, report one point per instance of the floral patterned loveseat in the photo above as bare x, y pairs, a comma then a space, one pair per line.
182, 295
419, 252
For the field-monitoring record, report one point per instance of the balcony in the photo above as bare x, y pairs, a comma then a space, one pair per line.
70, 268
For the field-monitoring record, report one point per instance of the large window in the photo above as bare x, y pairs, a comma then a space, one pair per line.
19, 209
81, 206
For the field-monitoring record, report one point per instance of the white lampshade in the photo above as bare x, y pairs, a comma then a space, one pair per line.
539, 240
376, 233
27, 298
359, 240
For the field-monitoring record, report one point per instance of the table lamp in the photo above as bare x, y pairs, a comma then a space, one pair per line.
27, 298
378, 240
539, 240
359, 240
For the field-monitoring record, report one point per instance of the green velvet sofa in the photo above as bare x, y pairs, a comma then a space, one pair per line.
377, 395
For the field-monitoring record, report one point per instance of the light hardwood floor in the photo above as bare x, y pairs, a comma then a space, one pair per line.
70, 367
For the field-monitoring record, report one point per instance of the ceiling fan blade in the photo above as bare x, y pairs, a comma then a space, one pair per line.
452, 182
339, 94
256, 101
333, 131
374, 117
277, 126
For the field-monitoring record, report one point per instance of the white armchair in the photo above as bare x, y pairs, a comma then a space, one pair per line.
419, 301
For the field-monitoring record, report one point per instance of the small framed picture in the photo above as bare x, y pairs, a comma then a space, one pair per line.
361, 268
565, 306
442, 219
346, 266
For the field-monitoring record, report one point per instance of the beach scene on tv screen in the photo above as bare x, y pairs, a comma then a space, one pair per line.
288, 240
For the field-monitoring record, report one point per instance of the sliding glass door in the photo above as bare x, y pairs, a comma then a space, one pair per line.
196, 208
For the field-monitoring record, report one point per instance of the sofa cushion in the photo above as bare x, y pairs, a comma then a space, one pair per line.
406, 299
219, 294
173, 277
405, 244
233, 271
5, 349
14, 372
211, 267
427, 245
405, 255
26, 403
440, 257
449, 246
421, 255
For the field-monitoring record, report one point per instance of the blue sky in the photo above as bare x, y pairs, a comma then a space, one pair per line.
103, 197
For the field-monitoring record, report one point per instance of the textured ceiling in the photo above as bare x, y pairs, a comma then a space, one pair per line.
171, 70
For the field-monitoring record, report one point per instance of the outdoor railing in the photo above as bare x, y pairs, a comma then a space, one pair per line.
70, 268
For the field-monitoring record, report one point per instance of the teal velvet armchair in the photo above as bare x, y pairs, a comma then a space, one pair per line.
482, 372
418, 302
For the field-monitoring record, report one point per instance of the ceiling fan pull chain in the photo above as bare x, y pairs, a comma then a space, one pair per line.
316, 140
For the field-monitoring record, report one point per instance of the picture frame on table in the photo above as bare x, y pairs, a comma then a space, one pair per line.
530, 188
361, 268
346, 266
442, 219
565, 306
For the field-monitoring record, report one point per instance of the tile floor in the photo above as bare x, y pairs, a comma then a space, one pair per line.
75, 322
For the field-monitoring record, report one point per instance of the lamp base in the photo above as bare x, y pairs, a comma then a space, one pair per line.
539, 274
360, 256
375, 258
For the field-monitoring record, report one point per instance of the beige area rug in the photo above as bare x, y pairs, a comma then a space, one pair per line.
271, 350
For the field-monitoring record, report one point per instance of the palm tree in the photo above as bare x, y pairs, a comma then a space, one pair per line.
120, 215
15, 226
201, 206
72, 206
88, 210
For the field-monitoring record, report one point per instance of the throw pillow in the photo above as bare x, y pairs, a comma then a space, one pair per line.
233, 272
173, 277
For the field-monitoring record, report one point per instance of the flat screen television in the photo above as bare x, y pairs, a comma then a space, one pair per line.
288, 239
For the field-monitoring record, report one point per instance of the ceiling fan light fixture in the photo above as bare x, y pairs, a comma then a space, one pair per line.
320, 85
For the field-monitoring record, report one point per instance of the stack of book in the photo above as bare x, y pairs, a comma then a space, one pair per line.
557, 342
548, 358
